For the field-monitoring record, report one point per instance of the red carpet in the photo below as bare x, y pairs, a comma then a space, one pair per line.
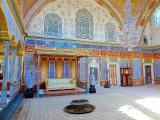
62, 92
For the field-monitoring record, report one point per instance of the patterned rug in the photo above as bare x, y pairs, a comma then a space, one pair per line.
62, 92
109, 106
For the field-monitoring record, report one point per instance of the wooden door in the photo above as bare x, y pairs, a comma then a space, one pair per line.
148, 77
113, 74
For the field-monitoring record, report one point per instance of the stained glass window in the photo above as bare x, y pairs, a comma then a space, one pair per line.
110, 32
53, 25
84, 24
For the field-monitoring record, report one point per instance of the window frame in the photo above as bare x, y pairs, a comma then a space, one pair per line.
83, 16
110, 28
156, 18
52, 17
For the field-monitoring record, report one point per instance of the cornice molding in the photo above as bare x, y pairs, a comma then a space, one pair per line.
90, 42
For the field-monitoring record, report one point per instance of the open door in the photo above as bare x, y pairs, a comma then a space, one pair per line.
148, 77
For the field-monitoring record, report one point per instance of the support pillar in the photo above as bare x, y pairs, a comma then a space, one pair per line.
86, 68
62, 75
5, 74
77, 78
11, 90
38, 80
70, 69
20, 70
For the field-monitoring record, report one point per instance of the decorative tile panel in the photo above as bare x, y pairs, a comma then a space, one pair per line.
82, 68
118, 48
29, 68
137, 68
123, 63
37, 27
66, 69
91, 58
13, 28
103, 67
137, 48
51, 69
18, 69
129, 62
157, 68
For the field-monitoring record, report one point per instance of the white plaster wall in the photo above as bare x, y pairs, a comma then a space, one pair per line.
67, 11
152, 32
147, 32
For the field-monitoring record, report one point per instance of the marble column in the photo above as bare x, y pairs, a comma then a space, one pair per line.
77, 70
38, 80
86, 68
11, 90
20, 70
5, 74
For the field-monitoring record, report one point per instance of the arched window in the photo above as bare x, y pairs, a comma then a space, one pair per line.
157, 17
53, 25
84, 24
110, 32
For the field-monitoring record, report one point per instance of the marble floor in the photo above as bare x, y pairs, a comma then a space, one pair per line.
145, 91
115, 103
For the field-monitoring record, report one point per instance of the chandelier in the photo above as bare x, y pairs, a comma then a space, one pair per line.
129, 36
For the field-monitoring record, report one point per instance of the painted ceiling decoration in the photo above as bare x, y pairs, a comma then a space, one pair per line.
141, 10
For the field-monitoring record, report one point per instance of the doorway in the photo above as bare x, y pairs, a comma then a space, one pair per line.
113, 74
148, 75
94, 64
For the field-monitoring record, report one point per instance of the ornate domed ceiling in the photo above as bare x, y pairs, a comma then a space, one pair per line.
141, 9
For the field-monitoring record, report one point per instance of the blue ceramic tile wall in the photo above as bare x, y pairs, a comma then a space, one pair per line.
66, 69
29, 68
137, 68
52, 69
157, 68
103, 68
123, 63
82, 68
